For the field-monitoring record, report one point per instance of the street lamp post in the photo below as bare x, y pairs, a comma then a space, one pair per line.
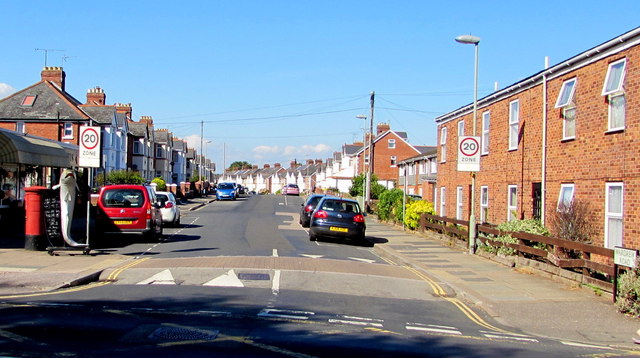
472, 40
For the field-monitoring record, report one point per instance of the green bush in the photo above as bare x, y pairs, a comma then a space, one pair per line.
388, 203
414, 210
121, 177
531, 226
629, 292
161, 185
357, 186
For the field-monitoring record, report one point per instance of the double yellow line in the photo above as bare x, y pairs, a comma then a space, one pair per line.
440, 292
110, 279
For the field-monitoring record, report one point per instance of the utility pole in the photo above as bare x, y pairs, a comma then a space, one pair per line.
200, 166
370, 145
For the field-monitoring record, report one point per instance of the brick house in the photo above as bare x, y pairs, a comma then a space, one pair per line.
566, 133
421, 173
389, 147
140, 149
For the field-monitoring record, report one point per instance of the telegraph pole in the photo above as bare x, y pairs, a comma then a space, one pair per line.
370, 145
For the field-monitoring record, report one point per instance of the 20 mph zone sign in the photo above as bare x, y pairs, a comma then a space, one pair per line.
469, 154
89, 156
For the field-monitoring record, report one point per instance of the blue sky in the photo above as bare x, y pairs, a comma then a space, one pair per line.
284, 80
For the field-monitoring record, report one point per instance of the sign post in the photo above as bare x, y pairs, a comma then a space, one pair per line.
468, 154
89, 157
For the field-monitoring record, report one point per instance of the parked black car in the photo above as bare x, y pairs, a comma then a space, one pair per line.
337, 218
308, 207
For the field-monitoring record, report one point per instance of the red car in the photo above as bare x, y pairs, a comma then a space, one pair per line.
126, 208
291, 189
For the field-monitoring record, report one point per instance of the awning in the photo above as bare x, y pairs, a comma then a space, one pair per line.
18, 148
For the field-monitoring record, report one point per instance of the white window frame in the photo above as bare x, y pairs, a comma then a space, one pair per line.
443, 201
613, 215
459, 202
391, 143
140, 148
67, 130
565, 121
393, 161
619, 85
486, 123
514, 124
612, 111
443, 144
563, 188
565, 96
461, 128
484, 203
512, 206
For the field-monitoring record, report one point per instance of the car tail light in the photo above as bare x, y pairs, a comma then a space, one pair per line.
308, 208
168, 205
358, 218
320, 214
148, 211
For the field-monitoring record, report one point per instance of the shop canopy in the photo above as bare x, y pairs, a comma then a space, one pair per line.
18, 148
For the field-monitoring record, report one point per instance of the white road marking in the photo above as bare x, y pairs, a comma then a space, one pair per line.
434, 329
288, 314
161, 278
312, 256
230, 279
363, 260
514, 338
358, 321
275, 284
582, 345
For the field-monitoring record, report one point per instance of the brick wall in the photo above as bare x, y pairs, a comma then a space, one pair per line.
382, 154
594, 158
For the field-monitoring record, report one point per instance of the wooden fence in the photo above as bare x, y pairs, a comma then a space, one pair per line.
594, 263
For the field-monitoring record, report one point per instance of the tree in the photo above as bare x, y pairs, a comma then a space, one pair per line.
237, 165
161, 185
357, 186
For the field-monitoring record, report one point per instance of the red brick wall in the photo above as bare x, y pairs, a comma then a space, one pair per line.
51, 131
589, 161
382, 157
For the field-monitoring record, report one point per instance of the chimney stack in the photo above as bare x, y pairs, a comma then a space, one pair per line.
382, 127
267, 166
318, 161
96, 96
277, 165
126, 109
309, 161
55, 75
146, 119
293, 164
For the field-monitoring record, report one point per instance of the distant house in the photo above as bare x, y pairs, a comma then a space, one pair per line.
163, 152
140, 147
419, 173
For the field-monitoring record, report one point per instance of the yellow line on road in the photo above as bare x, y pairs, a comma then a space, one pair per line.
112, 277
439, 291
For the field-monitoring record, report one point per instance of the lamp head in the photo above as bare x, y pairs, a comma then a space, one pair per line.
468, 39
361, 116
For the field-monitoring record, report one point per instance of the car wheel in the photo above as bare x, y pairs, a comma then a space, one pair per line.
177, 223
312, 236
159, 234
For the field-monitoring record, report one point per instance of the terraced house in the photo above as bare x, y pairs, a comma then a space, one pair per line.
569, 132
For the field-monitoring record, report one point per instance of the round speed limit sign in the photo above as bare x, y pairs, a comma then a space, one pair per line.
469, 154
89, 149
89, 138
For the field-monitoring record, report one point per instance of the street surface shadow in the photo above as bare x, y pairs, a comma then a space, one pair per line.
377, 240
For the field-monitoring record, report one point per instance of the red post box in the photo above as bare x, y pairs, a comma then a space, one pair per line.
34, 221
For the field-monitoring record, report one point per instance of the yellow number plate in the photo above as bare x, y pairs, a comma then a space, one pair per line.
341, 229
123, 222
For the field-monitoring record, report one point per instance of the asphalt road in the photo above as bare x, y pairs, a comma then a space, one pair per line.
241, 278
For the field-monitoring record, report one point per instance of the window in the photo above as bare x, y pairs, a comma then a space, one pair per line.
616, 112
565, 97
28, 101
434, 166
461, 129
392, 143
20, 127
565, 197
459, 203
615, 77
484, 203
68, 131
512, 202
613, 215
443, 193
159, 152
514, 124
366, 159
393, 160
486, 118
568, 123
443, 144
137, 147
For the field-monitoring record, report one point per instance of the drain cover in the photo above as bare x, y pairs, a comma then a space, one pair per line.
254, 276
182, 334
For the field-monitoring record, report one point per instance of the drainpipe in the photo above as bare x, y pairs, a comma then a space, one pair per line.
544, 142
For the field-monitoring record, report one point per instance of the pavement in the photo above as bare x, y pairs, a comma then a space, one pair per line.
516, 297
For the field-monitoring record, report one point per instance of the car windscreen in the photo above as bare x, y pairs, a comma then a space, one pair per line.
340, 206
225, 186
123, 198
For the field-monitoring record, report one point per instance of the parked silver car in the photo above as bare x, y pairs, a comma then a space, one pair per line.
170, 210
